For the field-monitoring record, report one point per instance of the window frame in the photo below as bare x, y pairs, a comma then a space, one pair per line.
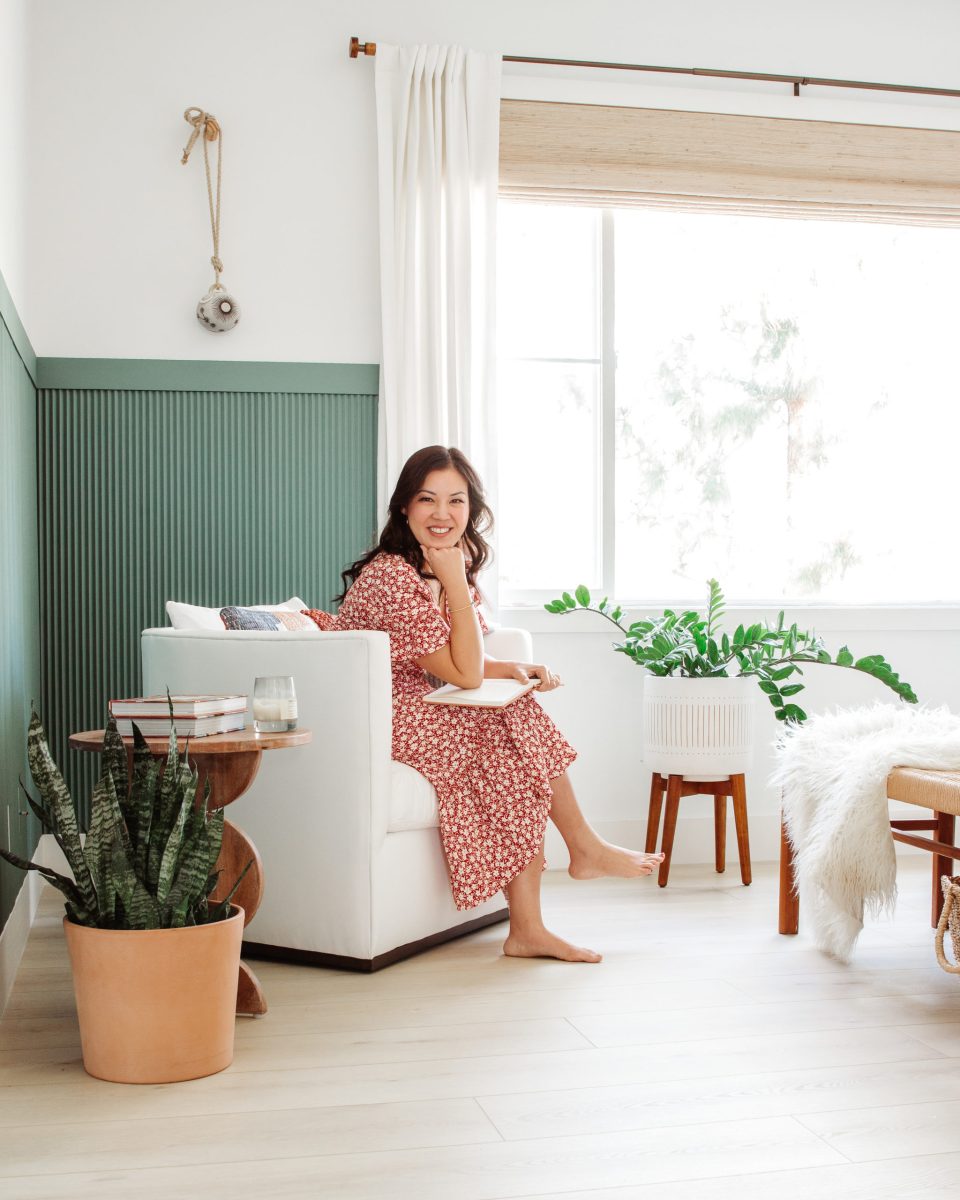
519, 601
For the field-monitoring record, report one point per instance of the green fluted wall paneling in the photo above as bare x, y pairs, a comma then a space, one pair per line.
19, 601
206, 497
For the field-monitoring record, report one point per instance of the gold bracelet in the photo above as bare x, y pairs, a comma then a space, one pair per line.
462, 608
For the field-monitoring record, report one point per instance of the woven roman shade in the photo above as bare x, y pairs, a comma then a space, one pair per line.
715, 162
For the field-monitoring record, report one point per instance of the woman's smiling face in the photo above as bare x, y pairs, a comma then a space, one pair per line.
439, 511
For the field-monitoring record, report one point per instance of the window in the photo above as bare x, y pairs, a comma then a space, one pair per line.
769, 401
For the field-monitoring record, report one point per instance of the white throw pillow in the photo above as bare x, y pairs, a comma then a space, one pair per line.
193, 616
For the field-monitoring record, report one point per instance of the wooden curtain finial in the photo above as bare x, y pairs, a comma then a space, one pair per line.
357, 48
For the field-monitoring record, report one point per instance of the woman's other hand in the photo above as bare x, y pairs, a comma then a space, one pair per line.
447, 564
524, 672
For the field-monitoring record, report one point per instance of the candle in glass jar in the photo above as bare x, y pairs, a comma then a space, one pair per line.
274, 704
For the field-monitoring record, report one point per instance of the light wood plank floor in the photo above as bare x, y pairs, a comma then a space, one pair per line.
705, 1057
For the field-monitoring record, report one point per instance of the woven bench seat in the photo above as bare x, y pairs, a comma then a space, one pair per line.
939, 790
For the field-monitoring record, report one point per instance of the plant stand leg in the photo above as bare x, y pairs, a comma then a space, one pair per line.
942, 865
789, 897
250, 1001
738, 784
674, 787
720, 832
653, 815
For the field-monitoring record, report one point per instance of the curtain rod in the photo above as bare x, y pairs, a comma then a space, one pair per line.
370, 48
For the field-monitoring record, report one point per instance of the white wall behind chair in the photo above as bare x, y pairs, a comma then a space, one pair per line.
118, 238
14, 56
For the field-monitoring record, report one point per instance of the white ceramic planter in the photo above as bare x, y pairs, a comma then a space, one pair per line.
698, 728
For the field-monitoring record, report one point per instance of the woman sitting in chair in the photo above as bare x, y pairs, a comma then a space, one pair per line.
498, 773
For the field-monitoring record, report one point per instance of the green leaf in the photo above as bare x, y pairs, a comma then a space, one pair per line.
56, 798
569, 601
770, 688
791, 689
98, 848
844, 657
65, 885
222, 910
616, 614
115, 761
583, 596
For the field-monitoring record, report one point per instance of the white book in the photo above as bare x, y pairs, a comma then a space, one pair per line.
183, 706
492, 693
185, 726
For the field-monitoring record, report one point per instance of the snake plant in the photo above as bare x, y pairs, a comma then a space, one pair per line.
692, 645
148, 859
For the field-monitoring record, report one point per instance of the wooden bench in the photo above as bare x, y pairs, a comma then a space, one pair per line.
936, 790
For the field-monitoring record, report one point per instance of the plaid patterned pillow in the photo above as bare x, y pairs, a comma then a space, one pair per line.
258, 618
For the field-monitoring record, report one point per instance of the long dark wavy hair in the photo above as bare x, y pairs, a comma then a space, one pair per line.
396, 537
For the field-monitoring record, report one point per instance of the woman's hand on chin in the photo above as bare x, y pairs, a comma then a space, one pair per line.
447, 563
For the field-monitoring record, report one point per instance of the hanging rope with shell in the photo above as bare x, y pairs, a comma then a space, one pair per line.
217, 311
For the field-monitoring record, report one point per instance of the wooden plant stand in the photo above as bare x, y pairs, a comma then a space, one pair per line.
676, 787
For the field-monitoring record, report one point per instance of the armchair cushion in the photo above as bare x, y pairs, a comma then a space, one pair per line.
413, 801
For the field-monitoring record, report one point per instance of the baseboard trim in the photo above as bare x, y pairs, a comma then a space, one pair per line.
13, 938
342, 962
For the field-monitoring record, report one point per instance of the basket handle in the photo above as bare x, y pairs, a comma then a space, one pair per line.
950, 891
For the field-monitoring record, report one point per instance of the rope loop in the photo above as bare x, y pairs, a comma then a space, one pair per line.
949, 920
207, 124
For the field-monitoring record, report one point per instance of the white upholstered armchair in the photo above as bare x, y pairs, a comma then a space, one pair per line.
353, 867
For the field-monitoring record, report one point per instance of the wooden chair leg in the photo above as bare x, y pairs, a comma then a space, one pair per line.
657, 785
789, 899
674, 786
720, 833
739, 787
942, 865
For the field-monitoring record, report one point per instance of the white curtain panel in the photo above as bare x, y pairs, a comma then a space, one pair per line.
438, 113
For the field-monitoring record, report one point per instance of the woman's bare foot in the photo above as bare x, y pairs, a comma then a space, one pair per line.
544, 944
604, 859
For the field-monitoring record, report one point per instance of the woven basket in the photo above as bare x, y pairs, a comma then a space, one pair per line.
698, 728
949, 919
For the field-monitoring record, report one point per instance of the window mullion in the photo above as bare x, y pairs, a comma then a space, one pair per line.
608, 380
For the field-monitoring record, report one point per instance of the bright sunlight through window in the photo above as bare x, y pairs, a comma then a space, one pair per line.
780, 411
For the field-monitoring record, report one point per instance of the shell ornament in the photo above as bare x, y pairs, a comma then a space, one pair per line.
218, 311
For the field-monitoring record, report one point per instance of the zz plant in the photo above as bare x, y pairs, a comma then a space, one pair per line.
692, 645
148, 859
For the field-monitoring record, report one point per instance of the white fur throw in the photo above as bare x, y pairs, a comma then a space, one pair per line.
833, 772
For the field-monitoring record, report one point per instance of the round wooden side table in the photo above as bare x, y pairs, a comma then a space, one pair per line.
230, 761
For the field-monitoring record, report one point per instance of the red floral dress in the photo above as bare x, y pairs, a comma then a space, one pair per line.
491, 768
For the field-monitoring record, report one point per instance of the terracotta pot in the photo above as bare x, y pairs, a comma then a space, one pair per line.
156, 1005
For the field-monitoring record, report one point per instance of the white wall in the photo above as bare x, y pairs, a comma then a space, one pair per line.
118, 238
14, 53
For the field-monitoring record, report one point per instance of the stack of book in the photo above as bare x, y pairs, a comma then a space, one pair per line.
193, 716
